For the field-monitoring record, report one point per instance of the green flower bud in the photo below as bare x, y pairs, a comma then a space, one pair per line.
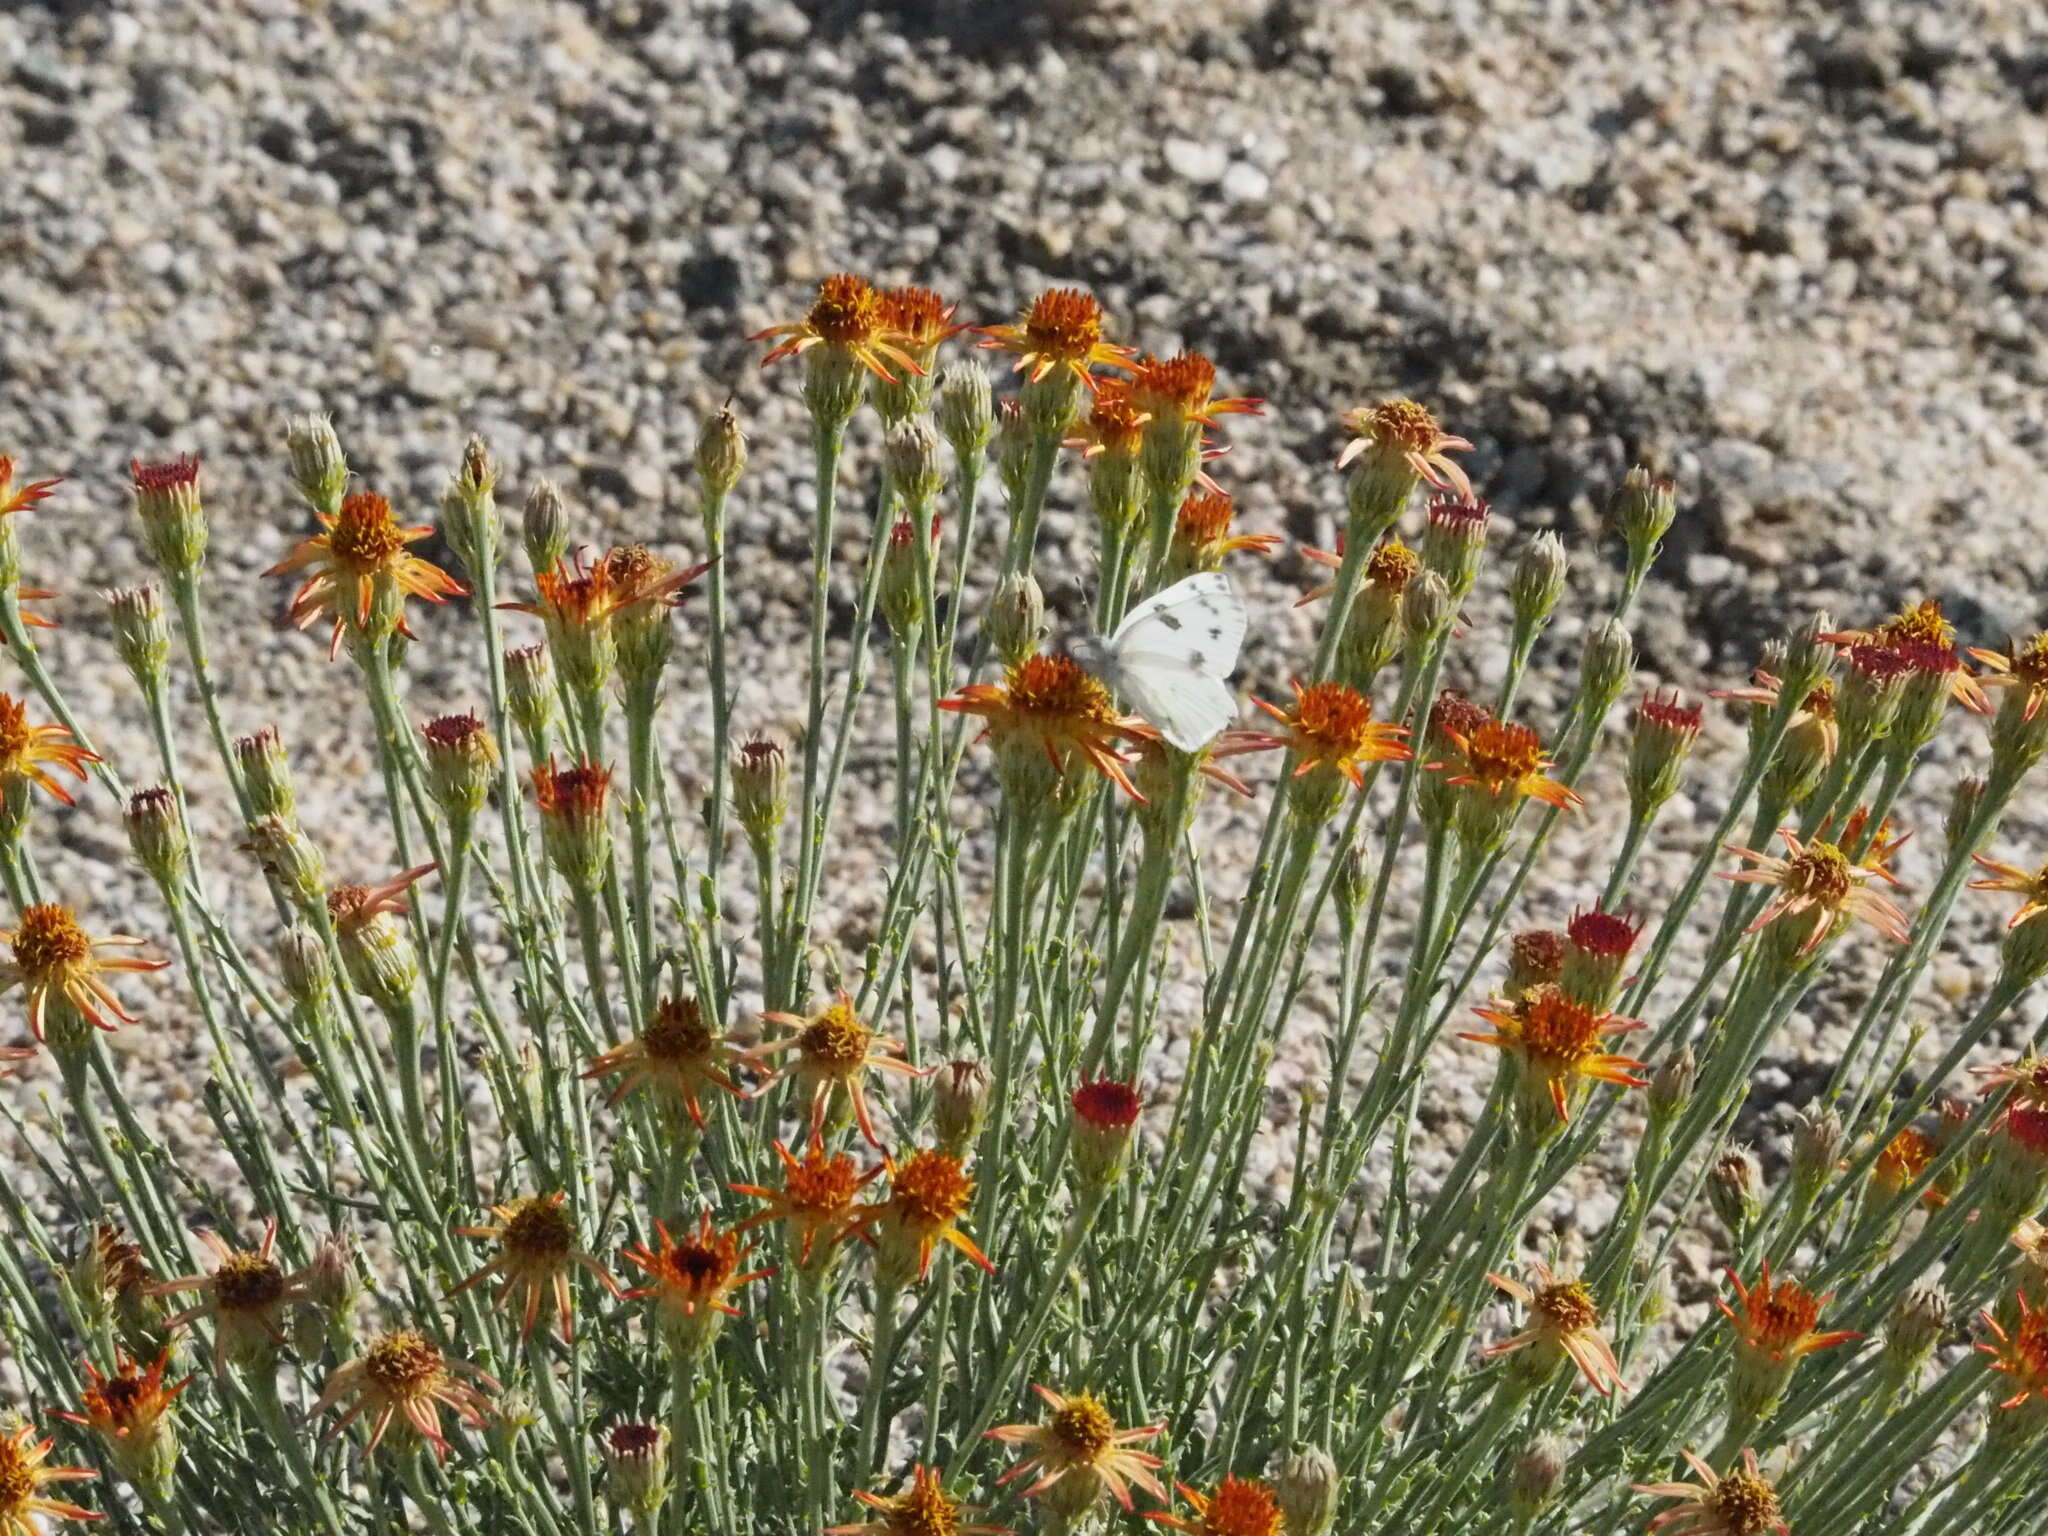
303, 964
1965, 805
1538, 581
1817, 1144
910, 458
965, 409
462, 764
1913, 1330
1427, 609
1016, 618
1013, 449
636, 1467
1662, 740
721, 453
1535, 1476
173, 522
544, 530
1810, 658
266, 775
1672, 1083
903, 562
156, 834
1605, 666
289, 857
469, 508
960, 1093
141, 637
318, 467
760, 788
1306, 1484
530, 695
1454, 541
1642, 510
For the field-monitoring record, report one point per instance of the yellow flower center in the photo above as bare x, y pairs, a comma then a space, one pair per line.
1901, 1161
16, 735
247, 1282
836, 1041
1083, 1428
820, 1186
1922, 622
49, 943
2030, 661
926, 1510
847, 311
1567, 1307
1820, 873
930, 1191
1557, 1031
403, 1364
918, 315
1204, 519
1392, 565
1499, 754
1400, 424
17, 1477
1746, 1504
365, 536
1115, 420
1064, 324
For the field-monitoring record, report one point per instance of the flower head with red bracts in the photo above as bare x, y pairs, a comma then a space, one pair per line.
1780, 1320
1331, 726
1744, 1503
537, 1247
26, 749
1817, 884
922, 1509
1240, 1506
1061, 329
24, 1507
401, 1383
2027, 1077
695, 1275
849, 318
245, 1298
1181, 389
1078, 1453
1403, 432
919, 319
2022, 1353
1921, 636
816, 1198
361, 549
51, 957
1564, 1322
928, 1194
1557, 1041
1049, 707
677, 1054
835, 1050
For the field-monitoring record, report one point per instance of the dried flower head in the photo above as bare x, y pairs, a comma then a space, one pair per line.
127, 1409
835, 1050
400, 1383
1077, 1454
537, 1247
677, 1053
1564, 1323
1818, 887
1400, 432
54, 959
245, 1298
358, 561
1744, 1503
816, 1199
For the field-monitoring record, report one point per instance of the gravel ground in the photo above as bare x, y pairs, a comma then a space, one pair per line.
1795, 258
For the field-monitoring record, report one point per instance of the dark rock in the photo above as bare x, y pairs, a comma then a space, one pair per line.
710, 281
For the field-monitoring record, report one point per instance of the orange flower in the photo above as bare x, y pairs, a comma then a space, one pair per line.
1114, 424
245, 1298
24, 748
835, 1050
928, 1194
1390, 566
536, 1250
125, 1409
1925, 640
1240, 1506
816, 1197
2019, 666
1331, 726
691, 1279
1079, 1452
23, 1504
1564, 1322
19, 498
361, 549
404, 1377
1779, 1321
1202, 536
54, 957
2033, 886
2028, 1078
1557, 1041
1047, 705
1062, 329
1741, 1504
1402, 432
677, 1054
1501, 758
920, 319
1153, 769
1903, 1160
849, 319
1181, 389
2021, 1354
1817, 877
924, 1509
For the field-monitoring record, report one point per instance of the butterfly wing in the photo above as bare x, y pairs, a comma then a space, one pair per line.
1173, 655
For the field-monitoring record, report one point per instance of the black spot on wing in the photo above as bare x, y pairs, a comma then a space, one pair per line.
1215, 632
1194, 657
1169, 621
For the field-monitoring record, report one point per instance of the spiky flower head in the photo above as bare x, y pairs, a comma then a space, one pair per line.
1109, 439
1564, 1324
1671, 1085
1556, 1043
376, 947
920, 320
816, 1199
1106, 1113
834, 1050
645, 589
1817, 1141
245, 1297
265, 769
1641, 510
1777, 1326
1819, 890
1240, 1506
127, 1410
60, 967
1499, 764
929, 1192
1061, 333
845, 339
573, 826
462, 763
922, 1509
1394, 445
2020, 1353
1332, 735
1904, 1159
25, 1509
156, 833
677, 1054
530, 695
691, 1281
1077, 1455
1202, 536
319, 469
538, 1246
360, 573
1454, 541
1051, 725
111, 1281
1743, 1503
28, 752
400, 1383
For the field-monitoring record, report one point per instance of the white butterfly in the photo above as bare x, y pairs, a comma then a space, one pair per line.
1171, 657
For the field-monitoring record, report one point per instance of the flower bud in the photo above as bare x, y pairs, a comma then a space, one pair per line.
1816, 1150
2019, 733
1965, 805
1605, 667
1873, 683
156, 834
173, 522
1735, 1189
2023, 952
1672, 1083
1354, 880
721, 453
1663, 738
1536, 958
266, 775
959, 1102
1454, 541
1642, 510
530, 694
1932, 671
318, 467
1013, 449
469, 508
302, 963
141, 637
1535, 1475
2018, 1163
332, 1280
964, 406
377, 952
1597, 947
903, 562
462, 764
545, 528
1374, 629
1913, 1330
760, 788
636, 1467
1426, 610
1538, 581
1810, 658
573, 828
1306, 1484
289, 857
910, 458
1805, 751
643, 633
1105, 1120
1016, 618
